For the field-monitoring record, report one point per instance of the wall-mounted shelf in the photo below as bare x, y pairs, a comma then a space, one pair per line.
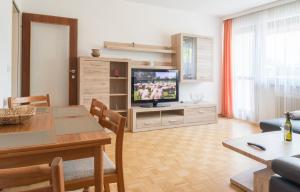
139, 47
118, 78
120, 110
118, 94
152, 65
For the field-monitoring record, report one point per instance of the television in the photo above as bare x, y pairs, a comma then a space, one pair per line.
154, 86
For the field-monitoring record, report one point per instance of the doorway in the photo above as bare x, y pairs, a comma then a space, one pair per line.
49, 57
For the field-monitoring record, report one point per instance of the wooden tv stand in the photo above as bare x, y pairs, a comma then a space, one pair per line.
175, 115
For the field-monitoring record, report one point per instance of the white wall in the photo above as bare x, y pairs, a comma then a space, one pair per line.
119, 20
5, 48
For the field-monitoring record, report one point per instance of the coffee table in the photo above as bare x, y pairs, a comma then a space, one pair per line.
257, 179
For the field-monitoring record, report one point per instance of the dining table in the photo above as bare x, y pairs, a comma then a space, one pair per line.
69, 132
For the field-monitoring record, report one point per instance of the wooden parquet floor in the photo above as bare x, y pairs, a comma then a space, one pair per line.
187, 159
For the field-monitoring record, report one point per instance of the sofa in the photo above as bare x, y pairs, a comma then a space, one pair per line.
287, 177
275, 124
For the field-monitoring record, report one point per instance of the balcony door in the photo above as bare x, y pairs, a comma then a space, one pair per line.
49, 58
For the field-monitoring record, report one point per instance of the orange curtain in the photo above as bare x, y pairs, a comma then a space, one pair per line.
226, 79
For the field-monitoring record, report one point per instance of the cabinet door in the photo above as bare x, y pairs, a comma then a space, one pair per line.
204, 59
189, 58
94, 82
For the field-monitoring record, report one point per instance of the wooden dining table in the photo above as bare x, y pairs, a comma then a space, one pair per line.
67, 132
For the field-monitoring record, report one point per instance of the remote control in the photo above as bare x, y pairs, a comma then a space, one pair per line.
257, 146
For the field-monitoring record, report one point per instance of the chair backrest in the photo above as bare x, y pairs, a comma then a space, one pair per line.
42, 100
97, 109
116, 123
23, 176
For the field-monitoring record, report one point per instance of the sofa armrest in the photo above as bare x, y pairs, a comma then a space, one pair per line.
288, 168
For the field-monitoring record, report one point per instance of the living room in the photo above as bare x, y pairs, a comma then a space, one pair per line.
140, 95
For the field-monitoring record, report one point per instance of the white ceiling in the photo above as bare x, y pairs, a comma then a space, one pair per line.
212, 7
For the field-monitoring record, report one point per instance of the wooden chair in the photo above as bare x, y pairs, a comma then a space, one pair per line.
97, 109
42, 100
79, 173
22, 176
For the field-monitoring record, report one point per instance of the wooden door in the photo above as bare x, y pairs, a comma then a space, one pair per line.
28, 21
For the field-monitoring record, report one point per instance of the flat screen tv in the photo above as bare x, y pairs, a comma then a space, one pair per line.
154, 86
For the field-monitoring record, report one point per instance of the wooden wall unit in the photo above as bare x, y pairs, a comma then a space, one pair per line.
201, 68
97, 80
177, 115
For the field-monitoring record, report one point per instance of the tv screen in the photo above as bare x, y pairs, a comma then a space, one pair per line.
150, 85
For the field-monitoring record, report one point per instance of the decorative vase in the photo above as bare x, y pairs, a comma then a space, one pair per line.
95, 52
116, 72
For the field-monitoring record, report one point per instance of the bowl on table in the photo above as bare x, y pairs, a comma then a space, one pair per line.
16, 115
196, 98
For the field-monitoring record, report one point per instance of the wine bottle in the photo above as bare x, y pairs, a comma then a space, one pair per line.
288, 128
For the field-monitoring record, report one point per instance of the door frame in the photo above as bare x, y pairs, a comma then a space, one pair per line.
27, 18
16, 51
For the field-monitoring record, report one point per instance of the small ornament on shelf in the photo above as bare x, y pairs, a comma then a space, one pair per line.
116, 72
95, 52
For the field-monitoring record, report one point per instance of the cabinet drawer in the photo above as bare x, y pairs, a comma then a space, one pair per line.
201, 115
199, 111
148, 122
172, 120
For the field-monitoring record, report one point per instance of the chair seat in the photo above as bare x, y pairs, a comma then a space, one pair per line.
82, 168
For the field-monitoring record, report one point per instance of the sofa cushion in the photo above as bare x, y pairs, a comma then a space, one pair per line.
279, 184
288, 168
82, 168
275, 124
271, 124
295, 115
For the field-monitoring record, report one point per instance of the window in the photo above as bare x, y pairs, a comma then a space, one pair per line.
266, 63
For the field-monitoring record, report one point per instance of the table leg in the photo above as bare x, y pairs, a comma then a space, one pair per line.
245, 179
261, 180
255, 179
98, 169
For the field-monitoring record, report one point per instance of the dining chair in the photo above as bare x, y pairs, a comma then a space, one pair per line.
23, 176
79, 173
97, 109
42, 100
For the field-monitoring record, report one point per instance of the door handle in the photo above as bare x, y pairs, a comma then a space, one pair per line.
73, 71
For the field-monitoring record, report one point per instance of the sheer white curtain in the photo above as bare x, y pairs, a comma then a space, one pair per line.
266, 63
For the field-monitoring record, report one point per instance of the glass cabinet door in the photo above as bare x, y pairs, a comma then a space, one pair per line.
189, 58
